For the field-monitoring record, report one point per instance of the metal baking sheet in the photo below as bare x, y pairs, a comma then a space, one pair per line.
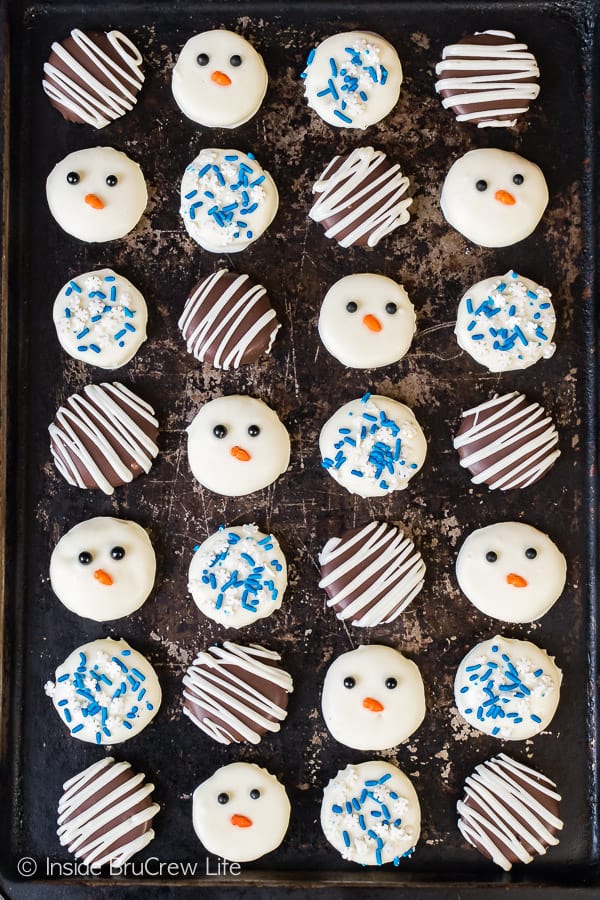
304, 507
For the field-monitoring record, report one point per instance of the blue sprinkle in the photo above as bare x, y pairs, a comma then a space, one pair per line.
346, 837
83, 333
82, 348
336, 808
120, 334
342, 116
231, 157
204, 170
75, 287
95, 348
77, 729
535, 718
67, 312
113, 294
192, 193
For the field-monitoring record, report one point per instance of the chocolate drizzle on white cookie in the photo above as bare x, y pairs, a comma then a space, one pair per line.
371, 574
509, 812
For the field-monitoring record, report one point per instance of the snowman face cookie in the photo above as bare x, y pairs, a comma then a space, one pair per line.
494, 198
511, 571
219, 79
367, 321
237, 445
241, 812
103, 568
97, 195
373, 698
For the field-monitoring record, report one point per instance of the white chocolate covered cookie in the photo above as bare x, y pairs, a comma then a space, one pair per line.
352, 80
237, 445
511, 571
97, 195
493, 197
507, 688
227, 200
241, 812
219, 79
367, 321
373, 698
372, 446
103, 568
371, 813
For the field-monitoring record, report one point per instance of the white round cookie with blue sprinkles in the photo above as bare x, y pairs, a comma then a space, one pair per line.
105, 692
238, 575
508, 688
352, 80
371, 813
227, 200
100, 318
373, 446
506, 323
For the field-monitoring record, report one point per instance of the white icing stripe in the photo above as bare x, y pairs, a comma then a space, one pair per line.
76, 834
99, 103
347, 185
229, 698
508, 816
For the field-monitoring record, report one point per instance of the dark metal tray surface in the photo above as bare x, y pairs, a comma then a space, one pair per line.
305, 385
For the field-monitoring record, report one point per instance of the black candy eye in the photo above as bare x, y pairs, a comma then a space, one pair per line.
85, 557
202, 59
531, 553
235, 60
253, 430
219, 431
117, 553
112, 180
518, 179
255, 793
391, 683
391, 308
349, 681
491, 556
481, 185
351, 306
223, 798
73, 178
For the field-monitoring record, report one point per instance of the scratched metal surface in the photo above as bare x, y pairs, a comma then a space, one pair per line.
305, 385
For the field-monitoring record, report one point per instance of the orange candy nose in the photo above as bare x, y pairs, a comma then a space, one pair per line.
373, 705
103, 577
372, 323
94, 201
505, 197
516, 580
220, 78
240, 454
241, 821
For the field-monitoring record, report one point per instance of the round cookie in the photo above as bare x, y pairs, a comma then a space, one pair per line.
228, 320
488, 78
93, 77
227, 200
97, 195
509, 812
241, 812
238, 575
370, 574
372, 446
507, 688
371, 814
219, 79
367, 321
511, 571
103, 437
493, 197
360, 198
352, 80
103, 569
105, 814
373, 698
237, 694
507, 442
100, 318
237, 445
506, 322
105, 692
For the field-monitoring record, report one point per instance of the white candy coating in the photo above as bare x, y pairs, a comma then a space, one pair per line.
100, 318
513, 698
242, 205
352, 80
387, 823
505, 212
91, 210
219, 94
377, 332
237, 463
524, 580
106, 588
373, 698
243, 828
